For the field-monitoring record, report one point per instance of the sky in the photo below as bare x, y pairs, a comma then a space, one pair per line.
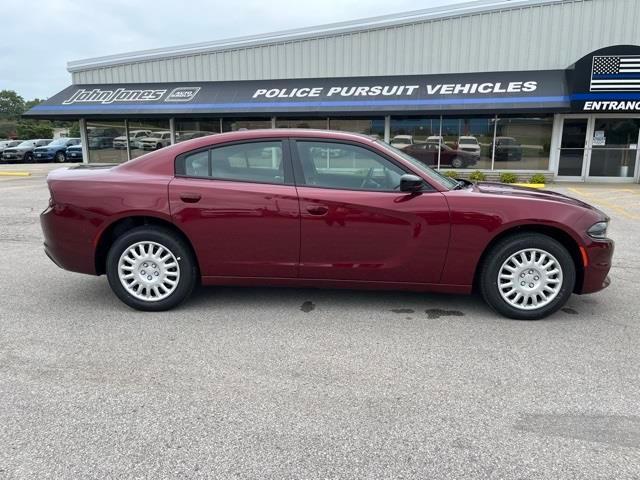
46, 34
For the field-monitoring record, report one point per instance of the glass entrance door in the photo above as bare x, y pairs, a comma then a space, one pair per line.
573, 147
614, 149
599, 148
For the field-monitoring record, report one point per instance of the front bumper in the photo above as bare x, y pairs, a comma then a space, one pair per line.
599, 256
43, 155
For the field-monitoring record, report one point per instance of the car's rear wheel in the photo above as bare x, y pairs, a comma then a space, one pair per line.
150, 268
527, 276
60, 157
457, 162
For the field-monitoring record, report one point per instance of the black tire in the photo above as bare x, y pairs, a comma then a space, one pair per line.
158, 146
457, 163
187, 267
28, 157
503, 250
60, 157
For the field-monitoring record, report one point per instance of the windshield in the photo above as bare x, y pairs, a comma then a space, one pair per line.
59, 141
26, 143
468, 141
430, 172
400, 140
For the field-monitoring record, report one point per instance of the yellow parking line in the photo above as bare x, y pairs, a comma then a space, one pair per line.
621, 210
15, 174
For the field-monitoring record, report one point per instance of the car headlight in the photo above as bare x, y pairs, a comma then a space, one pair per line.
598, 230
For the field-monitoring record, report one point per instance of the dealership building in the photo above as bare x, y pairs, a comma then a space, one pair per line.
538, 86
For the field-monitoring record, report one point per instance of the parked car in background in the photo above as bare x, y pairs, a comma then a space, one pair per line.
155, 141
120, 143
23, 152
55, 151
100, 138
8, 144
74, 153
401, 141
211, 211
507, 148
427, 153
435, 139
468, 143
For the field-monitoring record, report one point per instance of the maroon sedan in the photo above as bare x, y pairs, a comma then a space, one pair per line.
318, 209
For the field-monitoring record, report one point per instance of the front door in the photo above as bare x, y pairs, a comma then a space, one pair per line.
239, 207
355, 223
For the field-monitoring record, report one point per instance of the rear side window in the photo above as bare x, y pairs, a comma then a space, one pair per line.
249, 162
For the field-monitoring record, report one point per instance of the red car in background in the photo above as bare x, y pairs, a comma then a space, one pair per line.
318, 209
427, 153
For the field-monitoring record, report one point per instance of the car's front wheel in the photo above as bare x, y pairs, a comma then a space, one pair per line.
151, 268
60, 157
527, 276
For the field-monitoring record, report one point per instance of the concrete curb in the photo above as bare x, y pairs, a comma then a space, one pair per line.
15, 174
531, 185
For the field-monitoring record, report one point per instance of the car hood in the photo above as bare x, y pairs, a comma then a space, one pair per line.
43, 149
532, 193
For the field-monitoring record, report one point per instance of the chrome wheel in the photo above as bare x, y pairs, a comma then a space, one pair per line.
530, 279
149, 271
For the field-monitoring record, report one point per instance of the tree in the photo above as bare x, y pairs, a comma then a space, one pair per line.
32, 103
28, 129
11, 104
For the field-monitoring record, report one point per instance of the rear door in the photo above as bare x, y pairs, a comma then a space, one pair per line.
355, 223
238, 205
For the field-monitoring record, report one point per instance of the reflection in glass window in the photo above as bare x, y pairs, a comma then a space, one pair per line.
335, 165
104, 141
146, 136
373, 127
235, 124
409, 131
467, 137
190, 128
317, 123
523, 143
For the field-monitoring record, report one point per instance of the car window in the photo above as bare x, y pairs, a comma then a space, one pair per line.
249, 162
349, 167
197, 164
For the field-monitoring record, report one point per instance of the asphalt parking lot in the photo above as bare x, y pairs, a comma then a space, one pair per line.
296, 383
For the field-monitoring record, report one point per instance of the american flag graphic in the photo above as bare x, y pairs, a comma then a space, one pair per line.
615, 73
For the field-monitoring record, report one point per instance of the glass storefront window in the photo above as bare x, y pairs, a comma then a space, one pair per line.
105, 139
467, 142
235, 124
367, 126
146, 136
188, 128
614, 147
407, 131
523, 143
317, 123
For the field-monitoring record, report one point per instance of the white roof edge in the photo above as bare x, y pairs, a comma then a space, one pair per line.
442, 12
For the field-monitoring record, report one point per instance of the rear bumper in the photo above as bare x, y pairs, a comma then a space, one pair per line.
599, 257
65, 240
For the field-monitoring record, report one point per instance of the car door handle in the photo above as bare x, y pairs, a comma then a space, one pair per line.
190, 197
317, 209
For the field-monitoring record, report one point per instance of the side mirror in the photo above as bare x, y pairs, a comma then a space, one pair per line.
410, 183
